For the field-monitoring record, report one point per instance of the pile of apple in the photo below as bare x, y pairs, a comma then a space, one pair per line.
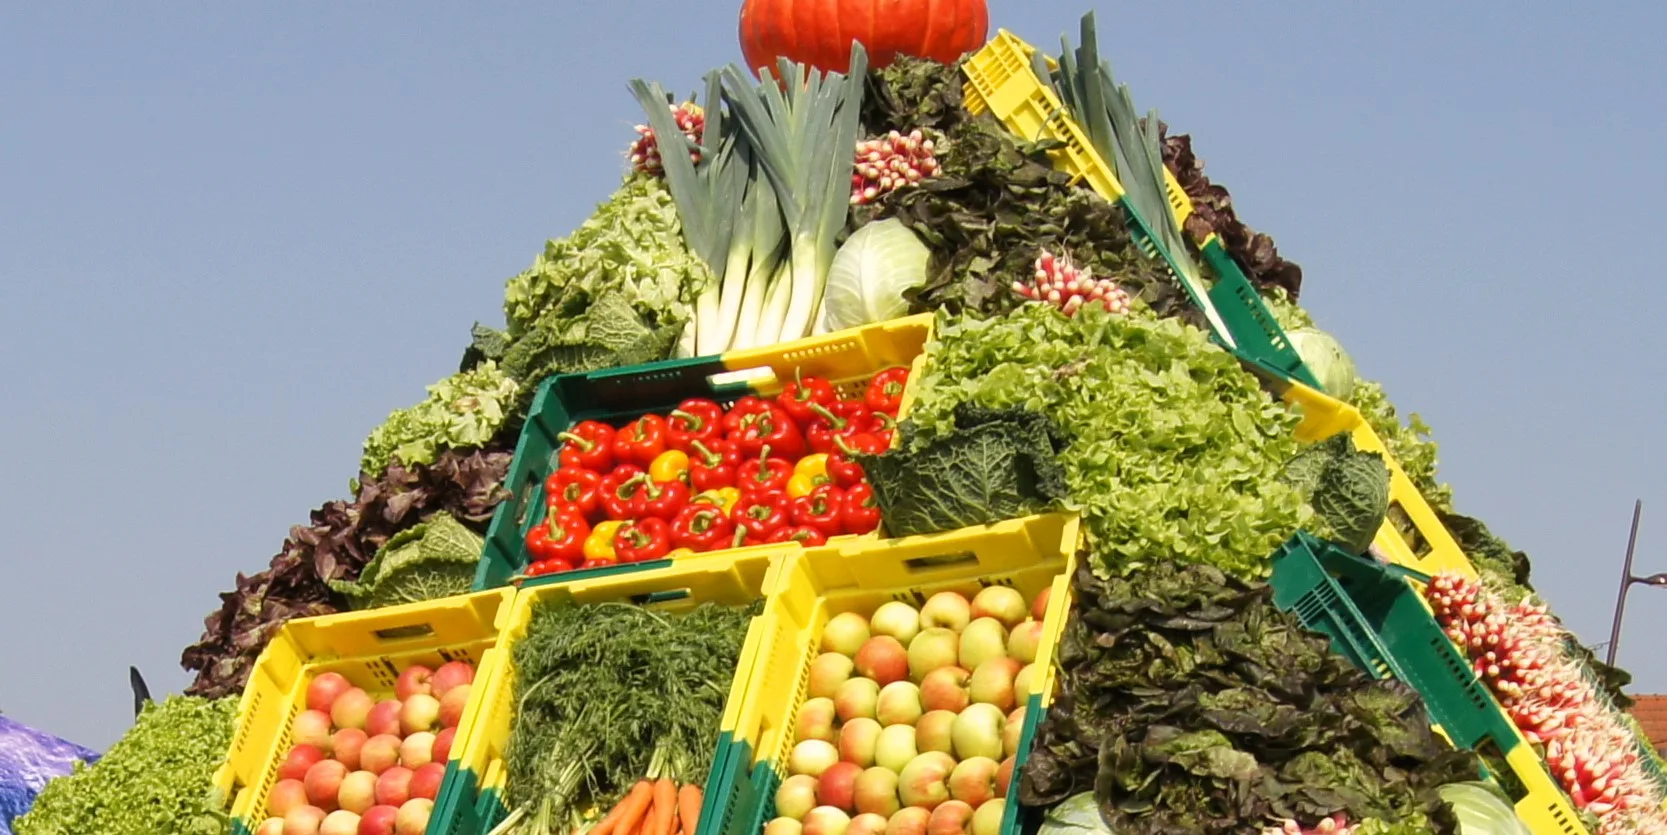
363, 767
912, 717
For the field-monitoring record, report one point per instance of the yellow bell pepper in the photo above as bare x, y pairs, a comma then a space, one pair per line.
600, 544
810, 473
671, 465
724, 497
679, 553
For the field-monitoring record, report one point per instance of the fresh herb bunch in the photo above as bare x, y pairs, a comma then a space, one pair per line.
156, 778
340, 539
1174, 448
1188, 703
995, 205
610, 693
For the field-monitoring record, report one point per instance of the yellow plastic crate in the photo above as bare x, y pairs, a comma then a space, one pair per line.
811, 586
1324, 416
370, 649
479, 802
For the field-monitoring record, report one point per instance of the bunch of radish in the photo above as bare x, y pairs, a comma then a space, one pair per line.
889, 162
1068, 287
645, 151
1517, 651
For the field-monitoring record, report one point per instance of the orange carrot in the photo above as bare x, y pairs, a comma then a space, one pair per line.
688, 804
665, 807
627, 812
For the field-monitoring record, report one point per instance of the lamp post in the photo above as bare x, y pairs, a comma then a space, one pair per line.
1627, 581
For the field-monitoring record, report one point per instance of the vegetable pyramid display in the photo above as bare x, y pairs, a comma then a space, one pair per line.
1089, 354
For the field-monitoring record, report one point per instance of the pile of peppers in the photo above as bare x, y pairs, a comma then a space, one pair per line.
703, 478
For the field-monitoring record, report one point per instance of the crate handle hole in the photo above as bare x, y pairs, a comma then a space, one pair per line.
940, 561
654, 597
404, 633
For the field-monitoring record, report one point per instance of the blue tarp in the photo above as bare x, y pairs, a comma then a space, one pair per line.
29, 758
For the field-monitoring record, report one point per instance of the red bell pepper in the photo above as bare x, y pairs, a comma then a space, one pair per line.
577, 489
773, 428
796, 397
758, 515
859, 511
822, 510
693, 420
642, 540
589, 446
807, 536
763, 474
663, 499
543, 567
713, 464
624, 494
640, 441
845, 471
885, 390
743, 409
701, 528
843, 419
561, 537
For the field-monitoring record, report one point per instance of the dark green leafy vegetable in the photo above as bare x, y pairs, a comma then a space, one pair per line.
435, 559
1213, 212
1174, 448
995, 205
1348, 489
995, 465
1188, 703
336, 544
158, 778
609, 693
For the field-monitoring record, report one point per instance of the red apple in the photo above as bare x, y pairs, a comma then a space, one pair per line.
378, 820
413, 816
450, 675
936, 732
910, 820
312, 727
452, 704
992, 683
1025, 641
442, 744
827, 672
351, 709
304, 821
1039, 606
856, 697
358, 792
946, 689
815, 720
323, 783
384, 718
857, 741
973, 781
300, 758
837, 786
924, 781
1004, 776
286, 796
272, 826
324, 689
417, 750
420, 713
953, 817
393, 788
340, 822
379, 753
898, 704
884, 659
425, 781
349, 744
416, 679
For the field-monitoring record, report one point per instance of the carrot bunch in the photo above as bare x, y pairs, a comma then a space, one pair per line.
653, 807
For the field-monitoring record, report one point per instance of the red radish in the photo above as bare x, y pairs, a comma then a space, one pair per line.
889, 162
645, 152
1068, 287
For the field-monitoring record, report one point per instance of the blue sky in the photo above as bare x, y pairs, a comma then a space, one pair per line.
234, 237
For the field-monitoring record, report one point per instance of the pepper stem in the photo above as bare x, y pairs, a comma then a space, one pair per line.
624, 489
707, 457
584, 444
695, 421
835, 421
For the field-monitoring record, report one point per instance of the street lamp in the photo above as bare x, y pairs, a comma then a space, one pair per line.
1627, 581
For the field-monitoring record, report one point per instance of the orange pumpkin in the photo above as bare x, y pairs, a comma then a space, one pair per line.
820, 32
